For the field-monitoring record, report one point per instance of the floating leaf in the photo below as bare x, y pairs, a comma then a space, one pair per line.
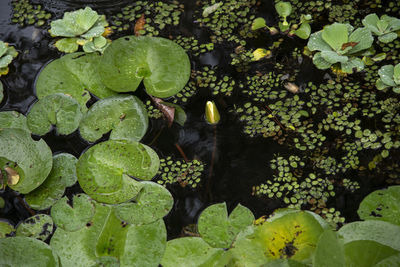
58, 109
67, 45
107, 236
386, 75
283, 9
62, 175
5, 229
219, 230
31, 159
329, 251
190, 252
304, 31
383, 205
211, 9
27, 252
335, 35
163, 65
75, 75
258, 23
73, 218
13, 119
125, 116
260, 53
179, 114
105, 170
389, 261
39, 226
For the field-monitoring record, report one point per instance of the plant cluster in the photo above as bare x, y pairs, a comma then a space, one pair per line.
25, 13
191, 45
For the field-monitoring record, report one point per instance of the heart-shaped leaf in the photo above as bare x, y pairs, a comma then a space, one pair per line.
75, 75
163, 65
32, 160
152, 203
219, 230
125, 116
62, 175
106, 169
39, 226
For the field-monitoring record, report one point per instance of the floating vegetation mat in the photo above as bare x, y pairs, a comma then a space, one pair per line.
25, 13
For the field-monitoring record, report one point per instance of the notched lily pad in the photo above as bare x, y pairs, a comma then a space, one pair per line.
58, 109
26, 251
219, 230
62, 175
152, 203
75, 217
125, 116
106, 170
13, 119
31, 160
162, 64
75, 75
39, 226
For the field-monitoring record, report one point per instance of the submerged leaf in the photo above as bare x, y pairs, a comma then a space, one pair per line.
105, 170
163, 65
125, 116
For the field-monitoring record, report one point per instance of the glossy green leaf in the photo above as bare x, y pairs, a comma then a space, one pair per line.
383, 205
75, 75
74, 23
386, 75
363, 37
283, 9
189, 252
62, 175
105, 170
316, 43
353, 64
73, 218
58, 109
152, 203
304, 31
284, 211
125, 116
335, 35
39, 226
387, 37
27, 252
258, 23
32, 160
333, 57
13, 119
329, 251
107, 236
320, 62
163, 65
219, 230
67, 45
379, 231
370, 21
396, 74
5, 229
366, 253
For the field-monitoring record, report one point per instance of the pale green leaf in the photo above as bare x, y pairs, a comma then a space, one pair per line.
370, 22
333, 57
329, 251
386, 75
354, 64
335, 35
366, 253
13, 119
304, 31
320, 62
211, 9
387, 37
258, 23
316, 43
363, 37
5, 229
67, 45
39, 226
283, 9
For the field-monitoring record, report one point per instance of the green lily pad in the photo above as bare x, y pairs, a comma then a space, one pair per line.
125, 116
219, 230
27, 252
13, 119
58, 109
389, 261
32, 160
107, 236
163, 65
62, 175
284, 263
75, 75
105, 170
73, 218
329, 251
383, 205
152, 203
39, 226
379, 231
190, 252
5, 229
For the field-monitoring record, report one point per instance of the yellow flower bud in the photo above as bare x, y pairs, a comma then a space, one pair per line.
212, 114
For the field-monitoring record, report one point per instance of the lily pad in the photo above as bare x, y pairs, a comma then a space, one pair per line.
13, 119
62, 175
106, 170
75, 75
39, 226
152, 203
58, 109
32, 160
125, 116
75, 217
329, 251
27, 252
190, 252
107, 236
219, 230
5, 229
162, 64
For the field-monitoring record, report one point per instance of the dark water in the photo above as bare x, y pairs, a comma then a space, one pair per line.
240, 162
